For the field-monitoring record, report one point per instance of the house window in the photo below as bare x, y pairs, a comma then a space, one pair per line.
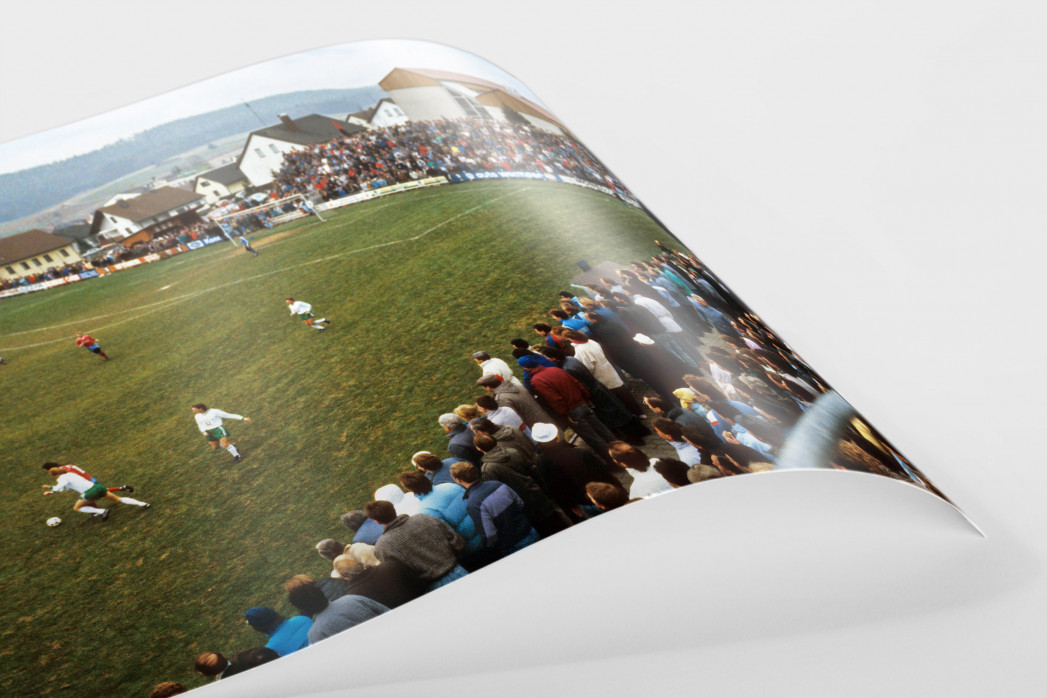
25, 265
11, 270
259, 153
468, 106
65, 253
272, 147
37, 262
47, 258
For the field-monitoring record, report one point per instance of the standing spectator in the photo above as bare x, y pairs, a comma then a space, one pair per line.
438, 471
672, 432
286, 635
672, 471
646, 481
508, 466
605, 497
566, 471
329, 617
566, 396
681, 416
390, 583
364, 530
425, 544
495, 366
496, 510
517, 398
501, 414
504, 435
459, 438
329, 548
444, 502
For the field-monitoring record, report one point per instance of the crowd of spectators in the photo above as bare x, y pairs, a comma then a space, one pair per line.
419, 149
376, 158
648, 381
46, 275
113, 255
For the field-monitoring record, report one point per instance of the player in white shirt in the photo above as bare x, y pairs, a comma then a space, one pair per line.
90, 493
209, 421
304, 311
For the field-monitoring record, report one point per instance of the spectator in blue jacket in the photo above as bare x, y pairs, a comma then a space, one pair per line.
286, 635
496, 510
447, 503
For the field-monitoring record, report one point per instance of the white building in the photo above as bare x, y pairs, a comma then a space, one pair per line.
385, 113
264, 151
34, 252
154, 212
221, 182
425, 94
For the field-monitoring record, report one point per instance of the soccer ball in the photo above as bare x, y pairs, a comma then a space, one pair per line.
54, 521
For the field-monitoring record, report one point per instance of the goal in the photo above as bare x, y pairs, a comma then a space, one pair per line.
268, 214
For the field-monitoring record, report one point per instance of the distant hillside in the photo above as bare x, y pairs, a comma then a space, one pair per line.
32, 190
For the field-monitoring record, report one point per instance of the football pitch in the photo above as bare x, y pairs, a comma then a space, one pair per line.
413, 284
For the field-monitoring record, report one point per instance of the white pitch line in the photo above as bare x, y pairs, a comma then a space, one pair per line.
194, 294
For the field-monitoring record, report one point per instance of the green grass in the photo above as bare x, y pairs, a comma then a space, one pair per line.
336, 414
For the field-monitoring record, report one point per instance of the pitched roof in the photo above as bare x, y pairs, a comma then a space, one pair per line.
501, 98
310, 130
227, 174
421, 77
365, 115
76, 231
151, 203
29, 244
493, 94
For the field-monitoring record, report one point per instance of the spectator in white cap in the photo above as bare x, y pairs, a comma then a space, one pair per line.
566, 470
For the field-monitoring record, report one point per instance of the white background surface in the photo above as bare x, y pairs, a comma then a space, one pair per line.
869, 177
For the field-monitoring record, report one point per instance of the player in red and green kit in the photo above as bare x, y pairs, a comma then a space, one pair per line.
77, 470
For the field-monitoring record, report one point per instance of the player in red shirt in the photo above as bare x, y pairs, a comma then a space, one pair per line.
77, 470
90, 344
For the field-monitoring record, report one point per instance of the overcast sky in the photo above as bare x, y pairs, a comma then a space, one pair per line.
348, 65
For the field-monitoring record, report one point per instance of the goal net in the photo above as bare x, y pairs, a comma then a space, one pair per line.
266, 215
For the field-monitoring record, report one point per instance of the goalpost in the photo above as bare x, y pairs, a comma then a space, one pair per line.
269, 214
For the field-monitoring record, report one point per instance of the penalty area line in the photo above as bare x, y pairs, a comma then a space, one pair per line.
170, 301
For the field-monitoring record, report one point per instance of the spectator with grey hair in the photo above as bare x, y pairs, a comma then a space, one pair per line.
364, 530
459, 438
329, 548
